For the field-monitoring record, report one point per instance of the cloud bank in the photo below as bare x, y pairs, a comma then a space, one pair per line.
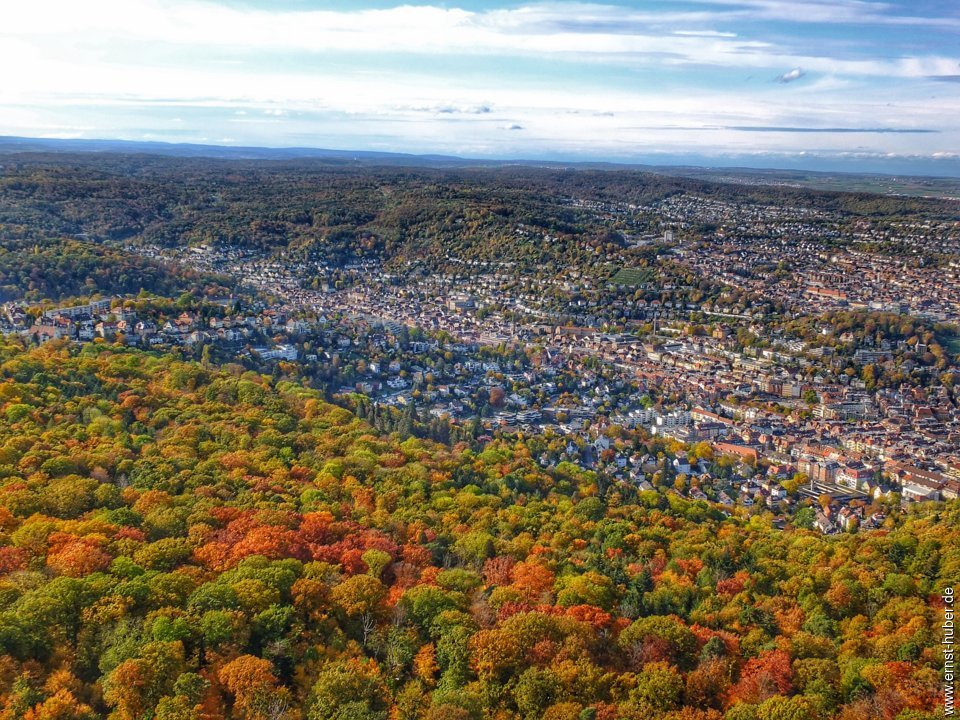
585, 79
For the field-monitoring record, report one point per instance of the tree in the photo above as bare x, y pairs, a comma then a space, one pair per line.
590, 588
77, 558
360, 595
658, 638
350, 689
533, 579
782, 708
474, 547
764, 676
251, 682
535, 691
62, 705
805, 517
425, 664
177, 707
135, 686
707, 684
376, 561
659, 686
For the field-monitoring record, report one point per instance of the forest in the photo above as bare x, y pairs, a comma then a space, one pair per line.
55, 269
338, 211
189, 541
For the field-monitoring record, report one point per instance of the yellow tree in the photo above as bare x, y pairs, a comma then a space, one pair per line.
251, 682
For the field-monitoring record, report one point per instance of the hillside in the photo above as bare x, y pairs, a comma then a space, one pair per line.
63, 268
182, 541
336, 209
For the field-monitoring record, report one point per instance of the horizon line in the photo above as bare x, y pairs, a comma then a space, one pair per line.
692, 160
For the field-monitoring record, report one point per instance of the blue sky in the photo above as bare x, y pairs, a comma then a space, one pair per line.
751, 82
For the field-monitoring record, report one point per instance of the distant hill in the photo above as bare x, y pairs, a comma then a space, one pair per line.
223, 152
909, 185
880, 183
339, 209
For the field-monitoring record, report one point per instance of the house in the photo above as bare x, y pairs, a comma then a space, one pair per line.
853, 476
280, 352
106, 329
185, 321
849, 519
742, 451
824, 524
951, 490
296, 327
682, 464
46, 332
920, 489
698, 494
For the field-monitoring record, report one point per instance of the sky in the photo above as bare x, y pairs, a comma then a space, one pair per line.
764, 83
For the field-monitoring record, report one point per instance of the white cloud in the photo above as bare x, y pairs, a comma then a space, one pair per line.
100, 43
791, 75
536, 29
832, 11
422, 29
129, 60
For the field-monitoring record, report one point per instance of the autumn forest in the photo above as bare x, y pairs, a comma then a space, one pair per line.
184, 542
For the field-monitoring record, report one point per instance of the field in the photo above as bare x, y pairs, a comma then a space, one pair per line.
633, 277
953, 345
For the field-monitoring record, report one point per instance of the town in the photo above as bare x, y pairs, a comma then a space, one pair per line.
754, 410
